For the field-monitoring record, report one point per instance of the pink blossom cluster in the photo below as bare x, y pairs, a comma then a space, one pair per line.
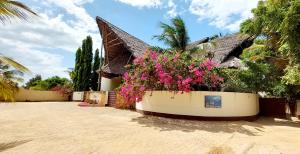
171, 71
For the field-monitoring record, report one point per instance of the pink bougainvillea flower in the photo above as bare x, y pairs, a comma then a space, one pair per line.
158, 67
153, 55
208, 64
139, 61
165, 59
191, 67
144, 77
142, 88
169, 72
126, 76
176, 57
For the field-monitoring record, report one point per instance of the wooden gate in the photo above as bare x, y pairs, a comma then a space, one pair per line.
276, 107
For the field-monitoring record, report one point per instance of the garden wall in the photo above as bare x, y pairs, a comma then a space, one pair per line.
24, 95
194, 105
98, 97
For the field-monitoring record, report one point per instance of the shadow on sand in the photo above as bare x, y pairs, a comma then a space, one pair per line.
166, 124
10, 145
243, 127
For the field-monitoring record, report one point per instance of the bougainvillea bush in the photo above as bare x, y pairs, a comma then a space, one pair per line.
171, 71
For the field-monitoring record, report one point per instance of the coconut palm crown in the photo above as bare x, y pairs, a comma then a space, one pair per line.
174, 35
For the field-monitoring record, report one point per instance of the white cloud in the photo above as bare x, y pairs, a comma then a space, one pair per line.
37, 43
172, 9
226, 14
165, 4
142, 3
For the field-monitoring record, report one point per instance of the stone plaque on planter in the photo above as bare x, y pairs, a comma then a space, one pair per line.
213, 102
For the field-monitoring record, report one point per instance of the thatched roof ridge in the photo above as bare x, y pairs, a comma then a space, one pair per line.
196, 43
136, 46
226, 46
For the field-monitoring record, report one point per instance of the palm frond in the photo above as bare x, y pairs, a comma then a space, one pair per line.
11, 62
174, 35
7, 89
10, 9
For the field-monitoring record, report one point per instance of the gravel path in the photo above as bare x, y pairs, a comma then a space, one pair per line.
29, 128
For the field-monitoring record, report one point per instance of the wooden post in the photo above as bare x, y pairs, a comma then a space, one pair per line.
100, 66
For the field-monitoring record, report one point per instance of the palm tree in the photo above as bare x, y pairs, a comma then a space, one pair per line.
8, 81
174, 35
13, 9
9, 77
10, 9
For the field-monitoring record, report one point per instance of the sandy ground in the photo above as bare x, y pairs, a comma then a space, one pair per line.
29, 128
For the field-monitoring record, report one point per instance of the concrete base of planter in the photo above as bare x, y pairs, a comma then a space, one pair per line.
234, 106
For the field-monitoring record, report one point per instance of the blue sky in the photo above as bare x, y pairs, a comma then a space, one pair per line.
47, 44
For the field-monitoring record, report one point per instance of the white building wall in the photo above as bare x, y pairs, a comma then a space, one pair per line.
110, 84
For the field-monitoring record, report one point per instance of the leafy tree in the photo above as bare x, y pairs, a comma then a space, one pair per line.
278, 21
33, 82
95, 75
55, 81
174, 35
50, 83
258, 77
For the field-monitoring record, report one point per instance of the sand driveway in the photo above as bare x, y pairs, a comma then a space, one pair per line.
29, 128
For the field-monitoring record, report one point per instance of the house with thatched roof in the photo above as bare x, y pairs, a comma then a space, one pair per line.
121, 48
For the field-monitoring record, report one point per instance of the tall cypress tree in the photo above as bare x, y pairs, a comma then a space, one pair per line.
83, 66
95, 75
77, 75
87, 51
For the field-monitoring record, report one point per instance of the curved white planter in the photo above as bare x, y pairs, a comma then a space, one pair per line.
234, 106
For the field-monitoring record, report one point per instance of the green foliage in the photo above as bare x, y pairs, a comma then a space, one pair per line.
174, 35
292, 76
257, 77
49, 83
278, 21
8, 82
77, 71
95, 75
290, 28
33, 82
157, 49
256, 53
83, 66
87, 55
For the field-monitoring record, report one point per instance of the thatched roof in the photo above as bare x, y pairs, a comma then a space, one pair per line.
136, 46
116, 66
120, 48
226, 50
196, 43
232, 45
